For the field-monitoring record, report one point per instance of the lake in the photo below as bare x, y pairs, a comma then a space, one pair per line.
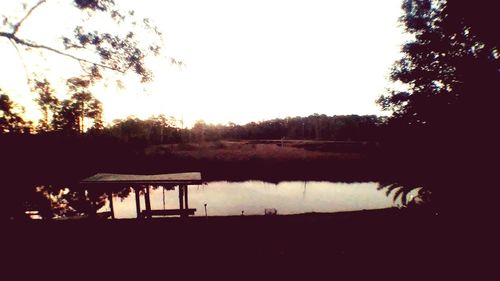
225, 198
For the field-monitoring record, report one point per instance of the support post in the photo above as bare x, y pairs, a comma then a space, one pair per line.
93, 207
186, 197
86, 198
111, 207
181, 193
147, 200
137, 202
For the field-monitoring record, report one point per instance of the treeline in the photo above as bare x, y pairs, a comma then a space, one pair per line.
81, 113
313, 127
161, 129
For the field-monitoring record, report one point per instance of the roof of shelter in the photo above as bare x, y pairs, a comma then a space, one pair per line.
177, 178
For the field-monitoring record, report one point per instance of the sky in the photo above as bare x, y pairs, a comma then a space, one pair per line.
243, 60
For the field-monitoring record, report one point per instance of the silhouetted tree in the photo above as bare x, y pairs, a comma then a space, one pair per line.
450, 64
451, 70
10, 117
48, 104
128, 130
81, 107
198, 130
154, 130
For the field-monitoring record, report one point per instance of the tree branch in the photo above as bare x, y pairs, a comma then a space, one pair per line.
17, 40
22, 61
16, 27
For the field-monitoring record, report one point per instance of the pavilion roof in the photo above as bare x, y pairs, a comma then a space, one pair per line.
177, 178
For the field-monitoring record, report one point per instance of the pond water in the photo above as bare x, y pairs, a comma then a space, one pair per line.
253, 197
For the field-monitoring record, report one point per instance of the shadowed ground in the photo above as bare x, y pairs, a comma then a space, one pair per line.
382, 243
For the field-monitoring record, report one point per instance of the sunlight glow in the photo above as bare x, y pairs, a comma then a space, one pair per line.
244, 60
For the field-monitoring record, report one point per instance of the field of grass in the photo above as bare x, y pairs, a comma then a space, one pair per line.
262, 149
272, 160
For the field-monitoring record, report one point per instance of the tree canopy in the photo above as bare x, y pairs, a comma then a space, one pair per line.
452, 65
97, 50
160, 129
451, 70
11, 120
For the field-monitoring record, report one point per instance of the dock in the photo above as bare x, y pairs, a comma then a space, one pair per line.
108, 183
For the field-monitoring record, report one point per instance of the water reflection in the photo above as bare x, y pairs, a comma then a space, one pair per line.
224, 198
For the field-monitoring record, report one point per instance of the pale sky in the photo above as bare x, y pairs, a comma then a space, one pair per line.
244, 60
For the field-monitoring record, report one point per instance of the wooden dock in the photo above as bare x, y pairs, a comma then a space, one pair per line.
104, 182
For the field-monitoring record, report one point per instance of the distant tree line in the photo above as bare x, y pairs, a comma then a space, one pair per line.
313, 127
81, 113
160, 129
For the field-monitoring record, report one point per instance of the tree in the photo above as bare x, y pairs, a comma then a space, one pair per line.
451, 71
66, 119
159, 127
451, 62
10, 117
97, 51
82, 106
198, 130
95, 113
48, 104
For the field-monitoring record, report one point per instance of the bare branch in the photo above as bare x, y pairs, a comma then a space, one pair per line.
13, 37
22, 61
16, 27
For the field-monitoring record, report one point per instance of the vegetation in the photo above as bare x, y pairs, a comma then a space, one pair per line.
439, 139
57, 159
435, 139
98, 51
60, 147
441, 123
10, 117
160, 129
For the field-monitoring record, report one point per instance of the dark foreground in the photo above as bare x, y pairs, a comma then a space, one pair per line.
377, 244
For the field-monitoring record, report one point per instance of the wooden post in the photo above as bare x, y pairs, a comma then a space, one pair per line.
110, 198
137, 202
93, 212
147, 200
186, 197
86, 198
93, 207
181, 203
